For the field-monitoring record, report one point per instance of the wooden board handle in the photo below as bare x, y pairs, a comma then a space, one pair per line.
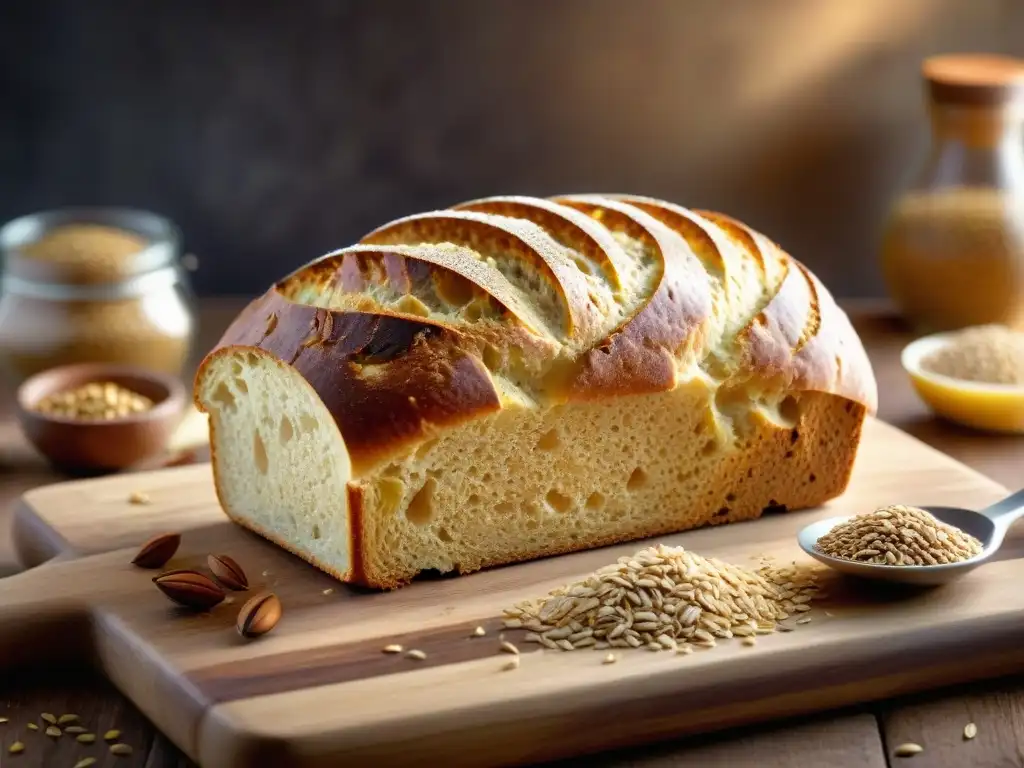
44, 614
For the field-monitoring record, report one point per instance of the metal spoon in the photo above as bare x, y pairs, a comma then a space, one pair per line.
989, 526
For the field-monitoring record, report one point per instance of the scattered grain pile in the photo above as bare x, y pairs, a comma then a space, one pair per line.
990, 354
665, 598
898, 535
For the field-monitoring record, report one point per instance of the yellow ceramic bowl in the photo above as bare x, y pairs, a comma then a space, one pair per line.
991, 407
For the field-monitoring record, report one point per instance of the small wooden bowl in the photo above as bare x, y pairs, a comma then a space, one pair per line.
75, 445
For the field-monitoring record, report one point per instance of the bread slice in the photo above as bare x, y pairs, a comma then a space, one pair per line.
517, 377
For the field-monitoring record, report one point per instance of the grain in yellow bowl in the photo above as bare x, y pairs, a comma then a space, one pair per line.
990, 407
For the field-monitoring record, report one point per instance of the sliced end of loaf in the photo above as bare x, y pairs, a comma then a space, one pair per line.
280, 464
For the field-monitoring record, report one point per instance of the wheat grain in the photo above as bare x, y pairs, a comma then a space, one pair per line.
898, 535
663, 596
908, 750
416, 655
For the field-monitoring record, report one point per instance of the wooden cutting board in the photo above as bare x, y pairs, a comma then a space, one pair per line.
319, 690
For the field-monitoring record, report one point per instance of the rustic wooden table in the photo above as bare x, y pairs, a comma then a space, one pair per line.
861, 738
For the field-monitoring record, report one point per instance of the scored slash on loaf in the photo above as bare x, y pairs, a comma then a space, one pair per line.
518, 377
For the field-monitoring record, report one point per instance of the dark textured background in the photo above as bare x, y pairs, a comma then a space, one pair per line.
273, 132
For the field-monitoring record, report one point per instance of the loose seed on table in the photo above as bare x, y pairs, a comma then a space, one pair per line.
86, 738
478, 632
908, 750
416, 655
112, 734
121, 750
507, 647
970, 731
392, 649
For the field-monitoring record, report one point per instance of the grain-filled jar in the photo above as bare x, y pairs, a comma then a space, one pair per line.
102, 285
953, 247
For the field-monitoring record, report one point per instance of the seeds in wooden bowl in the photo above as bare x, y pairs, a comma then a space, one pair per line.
898, 535
663, 598
98, 400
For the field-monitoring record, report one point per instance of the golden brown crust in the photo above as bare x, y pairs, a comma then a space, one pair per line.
440, 318
640, 355
386, 380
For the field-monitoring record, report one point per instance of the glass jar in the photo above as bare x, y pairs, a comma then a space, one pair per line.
953, 247
124, 299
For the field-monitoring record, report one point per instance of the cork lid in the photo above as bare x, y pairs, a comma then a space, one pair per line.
974, 79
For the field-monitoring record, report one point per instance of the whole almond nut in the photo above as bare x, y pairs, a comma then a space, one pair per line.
157, 551
190, 589
259, 615
227, 572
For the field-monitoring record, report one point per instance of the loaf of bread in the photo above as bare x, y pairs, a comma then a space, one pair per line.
518, 377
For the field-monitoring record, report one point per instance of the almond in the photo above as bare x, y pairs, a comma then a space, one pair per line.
227, 572
259, 615
157, 551
190, 589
